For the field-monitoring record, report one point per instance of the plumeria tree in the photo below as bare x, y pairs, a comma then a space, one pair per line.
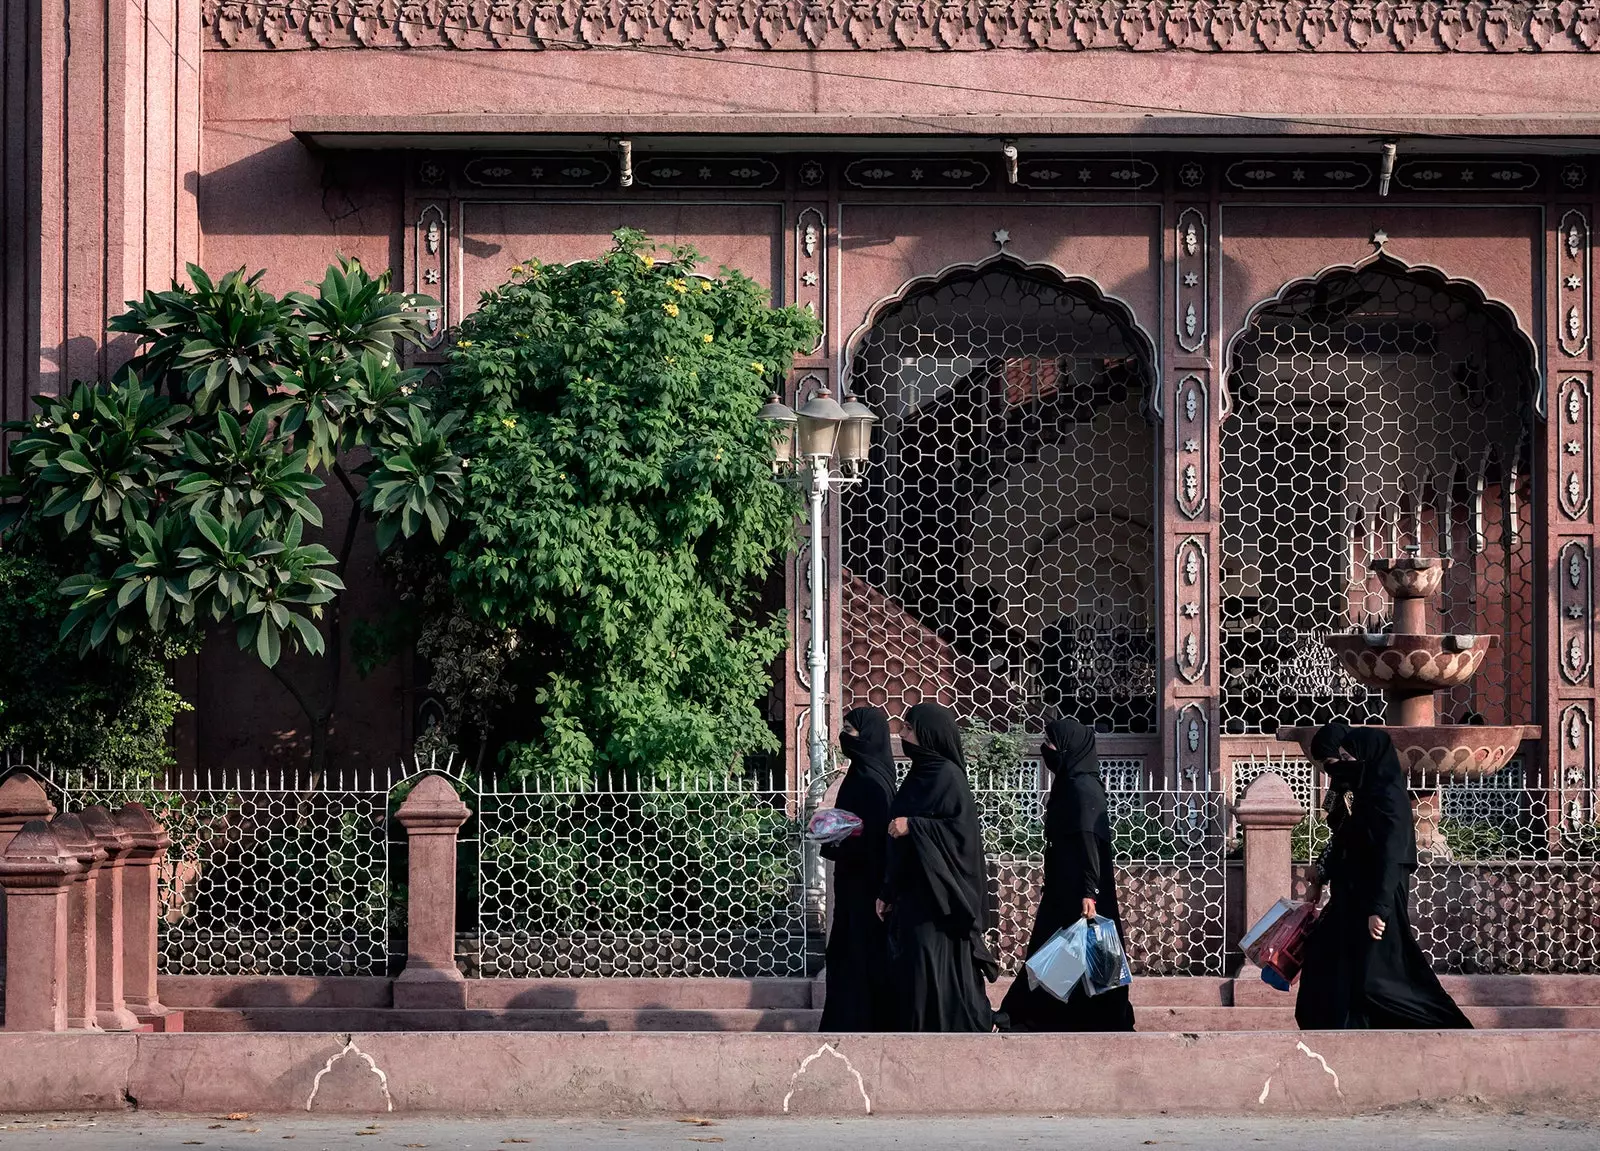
186, 495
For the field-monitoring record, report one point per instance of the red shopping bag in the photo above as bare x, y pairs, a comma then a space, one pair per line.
1280, 951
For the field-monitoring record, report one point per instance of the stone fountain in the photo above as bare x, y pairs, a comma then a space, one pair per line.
1409, 665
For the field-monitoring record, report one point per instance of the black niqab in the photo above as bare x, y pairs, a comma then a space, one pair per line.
1349, 979
1079, 864
858, 996
936, 886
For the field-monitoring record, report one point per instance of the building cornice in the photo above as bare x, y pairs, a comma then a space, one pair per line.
929, 25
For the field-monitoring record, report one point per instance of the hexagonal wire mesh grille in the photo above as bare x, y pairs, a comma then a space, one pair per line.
267, 874
637, 878
1373, 409
999, 555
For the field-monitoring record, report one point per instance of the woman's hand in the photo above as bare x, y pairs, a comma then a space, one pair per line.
883, 910
1313, 885
1375, 926
1088, 908
899, 826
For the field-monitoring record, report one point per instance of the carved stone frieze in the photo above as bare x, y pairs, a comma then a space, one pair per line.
1575, 579
1574, 463
430, 267
1192, 421
1193, 738
932, 25
1192, 600
1573, 313
1193, 289
811, 266
1575, 759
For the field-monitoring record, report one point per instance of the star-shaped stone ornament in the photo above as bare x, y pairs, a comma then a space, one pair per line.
1002, 237
1380, 237
1573, 447
1190, 279
809, 279
1574, 282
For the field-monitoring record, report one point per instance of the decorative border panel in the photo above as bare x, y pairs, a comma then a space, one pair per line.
1086, 174
1575, 574
430, 266
1193, 287
908, 173
932, 25
1302, 175
572, 170
811, 266
1575, 313
1193, 738
1574, 468
1192, 600
1192, 419
1576, 760
1436, 174
706, 172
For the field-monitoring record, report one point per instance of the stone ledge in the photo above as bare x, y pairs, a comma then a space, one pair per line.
568, 1074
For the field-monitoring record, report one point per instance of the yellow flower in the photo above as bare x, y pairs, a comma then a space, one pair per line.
647, 261
706, 337
463, 343
678, 286
705, 285
616, 294
508, 422
672, 359
757, 367
670, 309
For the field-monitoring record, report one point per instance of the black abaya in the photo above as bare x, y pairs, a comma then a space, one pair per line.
1350, 980
858, 941
936, 887
1079, 864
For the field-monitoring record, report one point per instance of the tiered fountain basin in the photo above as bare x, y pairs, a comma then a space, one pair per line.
1411, 663
1459, 749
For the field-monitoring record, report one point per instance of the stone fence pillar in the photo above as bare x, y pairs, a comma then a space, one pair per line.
432, 816
1268, 813
111, 1009
82, 911
141, 917
22, 798
35, 872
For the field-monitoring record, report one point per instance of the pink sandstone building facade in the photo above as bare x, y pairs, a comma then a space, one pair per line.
1174, 314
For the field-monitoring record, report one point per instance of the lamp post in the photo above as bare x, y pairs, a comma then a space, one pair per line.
808, 442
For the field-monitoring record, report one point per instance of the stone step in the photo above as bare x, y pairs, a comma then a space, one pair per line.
347, 1019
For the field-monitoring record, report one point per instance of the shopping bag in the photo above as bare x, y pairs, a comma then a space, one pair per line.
1106, 964
1060, 963
833, 825
1279, 948
1274, 913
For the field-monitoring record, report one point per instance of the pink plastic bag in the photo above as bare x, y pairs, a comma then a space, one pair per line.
832, 825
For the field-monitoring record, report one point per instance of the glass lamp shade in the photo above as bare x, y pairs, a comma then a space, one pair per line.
820, 421
781, 419
855, 439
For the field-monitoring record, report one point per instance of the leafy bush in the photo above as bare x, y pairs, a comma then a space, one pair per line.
618, 517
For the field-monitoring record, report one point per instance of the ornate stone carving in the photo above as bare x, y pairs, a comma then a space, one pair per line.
1572, 268
811, 266
1575, 757
1576, 597
1193, 592
932, 25
430, 267
1192, 434
1193, 737
1574, 464
1192, 269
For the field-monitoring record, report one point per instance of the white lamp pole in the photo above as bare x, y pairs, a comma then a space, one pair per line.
807, 442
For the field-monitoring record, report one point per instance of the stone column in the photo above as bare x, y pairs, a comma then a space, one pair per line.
141, 915
82, 911
111, 1010
21, 798
35, 873
432, 816
1267, 813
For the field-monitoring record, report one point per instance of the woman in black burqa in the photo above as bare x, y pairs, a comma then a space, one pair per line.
935, 891
858, 942
1079, 880
1363, 967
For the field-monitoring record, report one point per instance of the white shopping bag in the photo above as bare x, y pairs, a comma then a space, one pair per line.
1061, 962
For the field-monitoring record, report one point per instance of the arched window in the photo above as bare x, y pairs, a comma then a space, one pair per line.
999, 556
1372, 410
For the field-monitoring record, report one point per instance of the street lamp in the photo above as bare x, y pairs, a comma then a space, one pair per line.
807, 442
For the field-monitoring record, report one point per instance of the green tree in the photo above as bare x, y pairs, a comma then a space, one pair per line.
619, 515
180, 496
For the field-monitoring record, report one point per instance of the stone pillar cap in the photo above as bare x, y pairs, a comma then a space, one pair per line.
143, 828
1269, 802
77, 840
433, 805
103, 827
22, 797
35, 859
